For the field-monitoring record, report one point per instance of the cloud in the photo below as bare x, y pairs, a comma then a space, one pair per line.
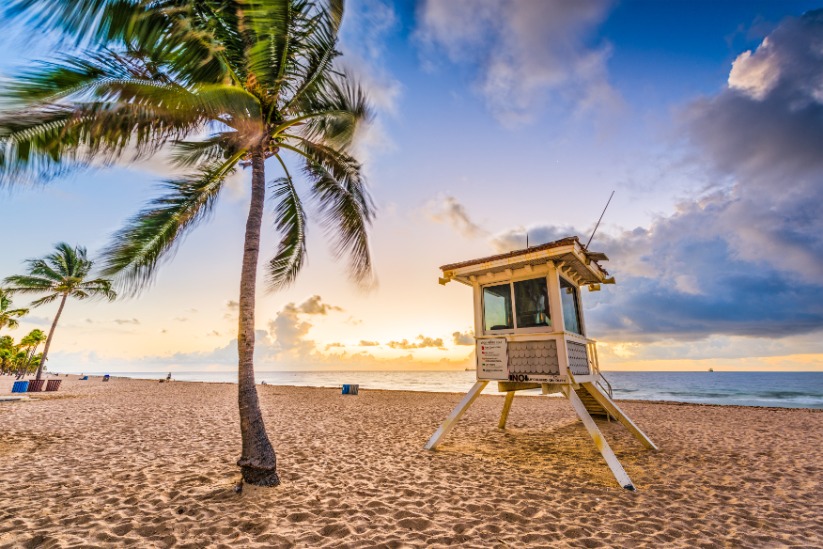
232, 307
463, 338
448, 210
744, 258
525, 53
755, 74
515, 239
315, 306
365, 343
213, 333
366, 28
290, 331
762, 138
422, 343
122, 321
37, 320
181, 319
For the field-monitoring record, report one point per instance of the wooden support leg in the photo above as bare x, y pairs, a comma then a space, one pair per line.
454, 417
614, 410
506, 407
605, 450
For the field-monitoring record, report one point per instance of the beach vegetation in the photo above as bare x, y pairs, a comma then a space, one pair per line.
29, 343
61, 274
7, 351
218, 86
9, 316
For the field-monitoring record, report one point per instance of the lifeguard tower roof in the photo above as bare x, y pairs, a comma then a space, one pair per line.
568, 253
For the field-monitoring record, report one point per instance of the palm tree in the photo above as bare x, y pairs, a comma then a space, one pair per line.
9, 316
226, 84
59, 275
7, 350
30, 343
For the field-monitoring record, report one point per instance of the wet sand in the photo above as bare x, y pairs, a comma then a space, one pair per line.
146, 464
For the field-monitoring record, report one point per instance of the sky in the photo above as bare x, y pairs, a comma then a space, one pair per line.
495, 119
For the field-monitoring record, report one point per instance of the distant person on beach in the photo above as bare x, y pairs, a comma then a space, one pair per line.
168, 377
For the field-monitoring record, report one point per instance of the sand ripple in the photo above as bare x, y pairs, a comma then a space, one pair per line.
141, 464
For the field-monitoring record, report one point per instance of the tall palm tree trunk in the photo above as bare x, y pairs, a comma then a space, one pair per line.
51, 335
258, 462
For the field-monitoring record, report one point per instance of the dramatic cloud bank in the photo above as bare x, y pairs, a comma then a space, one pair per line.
746, 257
524, 51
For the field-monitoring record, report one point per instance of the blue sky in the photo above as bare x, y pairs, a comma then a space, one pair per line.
493, 119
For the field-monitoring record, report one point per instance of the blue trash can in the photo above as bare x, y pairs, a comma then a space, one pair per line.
20, 387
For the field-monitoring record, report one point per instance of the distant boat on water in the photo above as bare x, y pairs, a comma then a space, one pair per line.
711, 369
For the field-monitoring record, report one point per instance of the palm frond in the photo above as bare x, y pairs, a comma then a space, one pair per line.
337, 110
98, 287
82, 20
270, 26
319, 53
28, 284
153, 233
66, 264
291, 223
40, 145
346, 207
205, 151
45, 300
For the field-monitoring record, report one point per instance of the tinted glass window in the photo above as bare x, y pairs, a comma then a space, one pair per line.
531, 299
571, 307
497, 307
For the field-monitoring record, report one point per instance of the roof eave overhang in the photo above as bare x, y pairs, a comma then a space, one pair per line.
572, 257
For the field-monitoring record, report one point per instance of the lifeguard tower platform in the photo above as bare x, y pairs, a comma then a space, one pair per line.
530, 334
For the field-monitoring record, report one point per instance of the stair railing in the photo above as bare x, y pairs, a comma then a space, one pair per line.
594, 361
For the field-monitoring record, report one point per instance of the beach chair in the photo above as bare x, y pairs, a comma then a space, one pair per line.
106, 377
36, 385
351, 389
84, 378
53, 384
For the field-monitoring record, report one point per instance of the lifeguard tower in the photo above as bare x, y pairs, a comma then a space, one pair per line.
530, 334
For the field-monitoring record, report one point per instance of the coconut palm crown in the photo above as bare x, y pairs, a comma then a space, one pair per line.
60, 275
9, 316
222, 84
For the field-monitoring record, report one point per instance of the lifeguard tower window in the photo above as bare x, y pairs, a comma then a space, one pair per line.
571, 306
497, 307
531, 300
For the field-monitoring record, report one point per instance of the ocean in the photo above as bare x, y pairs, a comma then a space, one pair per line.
778, 389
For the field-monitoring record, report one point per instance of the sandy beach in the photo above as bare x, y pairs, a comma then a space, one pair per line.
147, 464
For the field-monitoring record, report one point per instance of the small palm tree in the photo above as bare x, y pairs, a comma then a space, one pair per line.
9, 316
59, 275
30, 343
224, 84
7, 350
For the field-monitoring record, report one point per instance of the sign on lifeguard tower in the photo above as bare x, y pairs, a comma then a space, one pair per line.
530, 334
492, 361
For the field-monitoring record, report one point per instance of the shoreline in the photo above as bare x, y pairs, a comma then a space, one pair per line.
366, 388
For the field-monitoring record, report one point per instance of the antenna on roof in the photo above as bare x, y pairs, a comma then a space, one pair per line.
586, 247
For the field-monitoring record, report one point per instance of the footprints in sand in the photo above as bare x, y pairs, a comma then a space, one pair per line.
161, 473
